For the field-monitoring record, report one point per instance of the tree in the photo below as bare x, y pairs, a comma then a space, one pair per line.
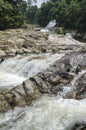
31, 12
81, 22
5, 14
42, 15
61, 13
70, 14
11, 14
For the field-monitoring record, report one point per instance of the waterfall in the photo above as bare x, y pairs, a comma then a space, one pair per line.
50, 27
51, 24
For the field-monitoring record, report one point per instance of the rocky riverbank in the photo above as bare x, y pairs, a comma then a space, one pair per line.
30, 40
27, 41
65, 76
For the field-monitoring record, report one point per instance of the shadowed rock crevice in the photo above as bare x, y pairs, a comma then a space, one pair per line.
79, 127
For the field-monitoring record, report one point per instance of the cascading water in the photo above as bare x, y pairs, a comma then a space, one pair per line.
72, 86
50, 27
51, 24
11, 73
48, 113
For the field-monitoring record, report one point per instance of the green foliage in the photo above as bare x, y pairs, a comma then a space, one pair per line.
70, 14
31, 12
11, 14
5, 13
81, 22
42, 15
61, 31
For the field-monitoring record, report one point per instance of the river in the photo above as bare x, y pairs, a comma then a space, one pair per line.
46, 113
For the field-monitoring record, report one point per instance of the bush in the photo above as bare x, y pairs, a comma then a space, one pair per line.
61, 31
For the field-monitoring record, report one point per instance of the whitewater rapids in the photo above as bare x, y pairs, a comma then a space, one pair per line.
48, 113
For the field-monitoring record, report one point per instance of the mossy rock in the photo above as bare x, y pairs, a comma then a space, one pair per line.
61, 31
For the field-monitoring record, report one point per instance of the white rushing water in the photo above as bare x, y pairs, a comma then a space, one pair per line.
50, 25
8, 79
48, 113
15, 70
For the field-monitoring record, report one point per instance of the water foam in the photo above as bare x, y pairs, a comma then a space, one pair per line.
52, 113
15, 70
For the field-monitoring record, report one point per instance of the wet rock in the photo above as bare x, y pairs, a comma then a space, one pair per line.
4, 105
80, 90
19, 96
51, 81
33, 88
43, 50
79, 87
2, 53
84, 38
70, 94
48, 82
1, 59
79, 127
72, 62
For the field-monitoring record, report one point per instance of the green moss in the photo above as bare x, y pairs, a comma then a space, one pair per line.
61, 31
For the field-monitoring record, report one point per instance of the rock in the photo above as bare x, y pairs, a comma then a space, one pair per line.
19, 96
72, 62
79, 127
51, 81
1, 60
43, 50
84, 38
4, 105
80, 90
28, 39
37, 29
33, 88
2, 53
